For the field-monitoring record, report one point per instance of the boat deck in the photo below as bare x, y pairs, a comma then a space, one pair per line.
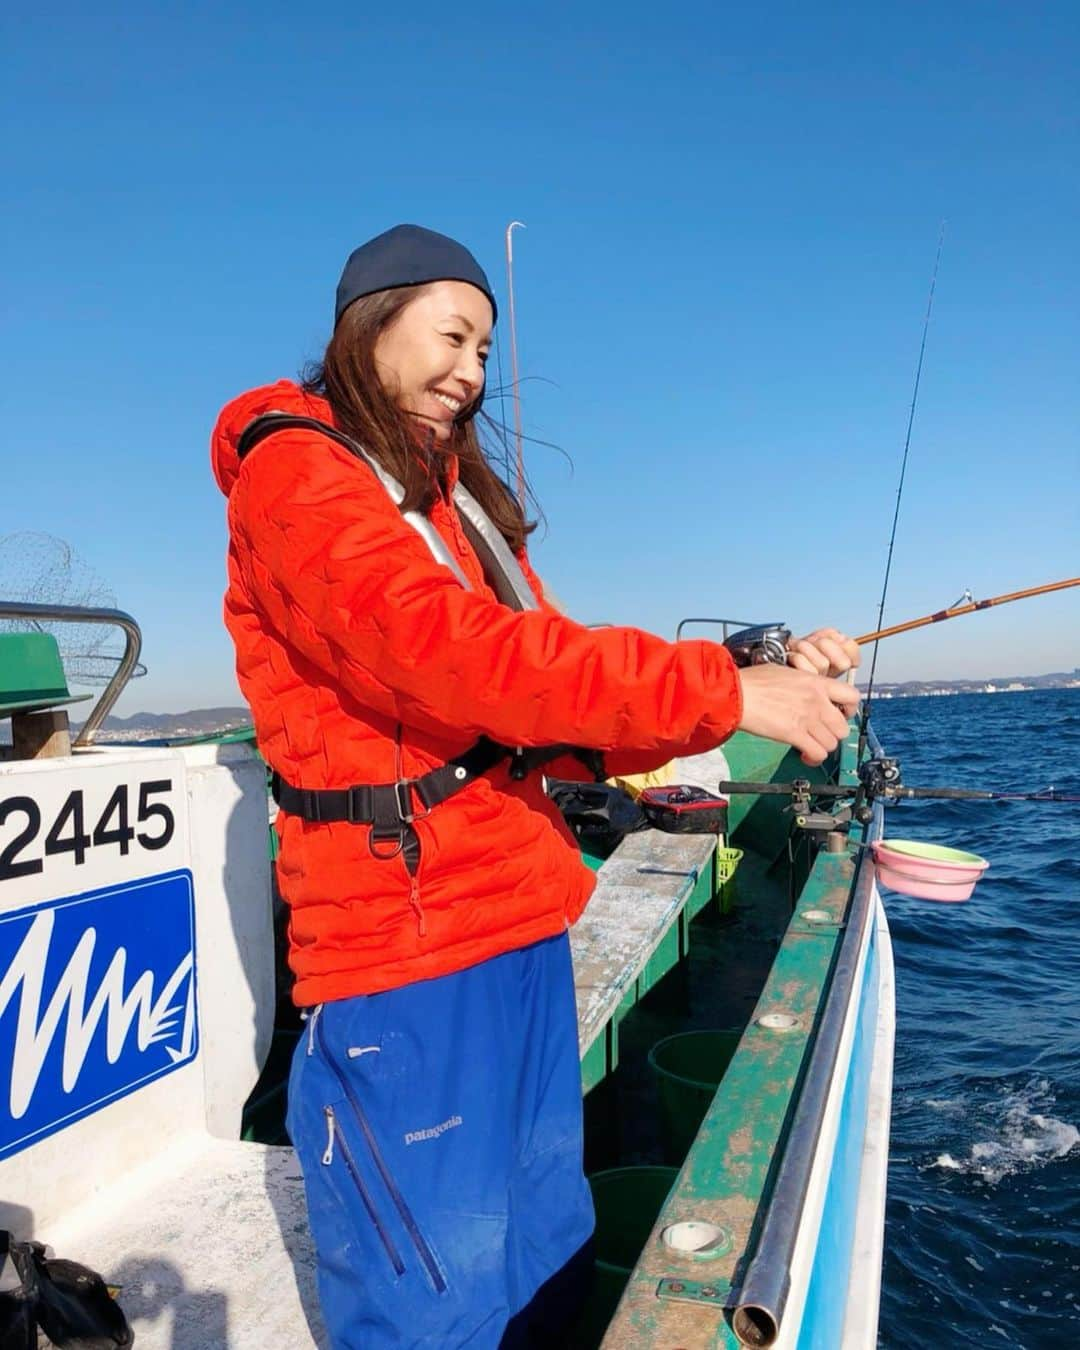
633, 932
210, 1244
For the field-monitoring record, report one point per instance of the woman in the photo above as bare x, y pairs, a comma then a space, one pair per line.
409, 682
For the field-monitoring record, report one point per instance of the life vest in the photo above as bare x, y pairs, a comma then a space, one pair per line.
390, 808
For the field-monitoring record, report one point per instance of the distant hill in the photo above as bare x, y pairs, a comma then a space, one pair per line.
160, 726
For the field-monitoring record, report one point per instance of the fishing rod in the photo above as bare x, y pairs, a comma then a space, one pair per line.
765, 643
956, 610
879, 780
803, 786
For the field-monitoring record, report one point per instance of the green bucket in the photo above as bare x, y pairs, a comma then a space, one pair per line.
627, 1201
688, 1068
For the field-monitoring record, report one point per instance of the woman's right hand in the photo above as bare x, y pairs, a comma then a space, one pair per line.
806, 711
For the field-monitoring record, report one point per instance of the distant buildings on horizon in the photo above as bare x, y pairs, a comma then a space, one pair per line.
1006, 684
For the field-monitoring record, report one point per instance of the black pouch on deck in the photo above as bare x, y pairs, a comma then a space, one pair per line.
68, 1301
685, 810
600, 815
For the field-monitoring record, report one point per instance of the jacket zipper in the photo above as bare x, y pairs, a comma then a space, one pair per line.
335, 1136
423, 1250
413, 871
417, 907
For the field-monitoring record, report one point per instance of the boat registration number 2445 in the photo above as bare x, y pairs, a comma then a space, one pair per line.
136, 815
97, 937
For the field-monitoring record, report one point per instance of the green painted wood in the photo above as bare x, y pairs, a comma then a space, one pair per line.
725, 1176
704, 891
663, 959
764, 823
594, 1062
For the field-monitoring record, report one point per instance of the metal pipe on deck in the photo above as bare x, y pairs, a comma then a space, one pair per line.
764, 1292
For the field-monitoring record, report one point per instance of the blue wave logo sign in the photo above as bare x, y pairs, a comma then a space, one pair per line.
97, 998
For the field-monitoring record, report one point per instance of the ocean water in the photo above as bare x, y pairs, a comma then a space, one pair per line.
983, 1221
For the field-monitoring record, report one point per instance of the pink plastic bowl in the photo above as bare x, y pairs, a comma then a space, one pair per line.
927, 871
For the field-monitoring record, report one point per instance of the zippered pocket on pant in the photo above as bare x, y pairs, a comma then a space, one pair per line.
335, 1139
423, 1250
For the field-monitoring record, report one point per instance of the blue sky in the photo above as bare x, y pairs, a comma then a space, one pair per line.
732, 214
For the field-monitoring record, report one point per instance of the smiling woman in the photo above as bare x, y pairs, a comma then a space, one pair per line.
410, 686
405, 368
431, 358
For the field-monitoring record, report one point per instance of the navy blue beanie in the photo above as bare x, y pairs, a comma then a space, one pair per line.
407, 255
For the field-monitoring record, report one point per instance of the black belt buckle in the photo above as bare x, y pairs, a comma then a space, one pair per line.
396, 827
388, 822
358, 807
403, 801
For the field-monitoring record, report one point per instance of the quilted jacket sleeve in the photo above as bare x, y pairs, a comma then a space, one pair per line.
619, 761
350, 585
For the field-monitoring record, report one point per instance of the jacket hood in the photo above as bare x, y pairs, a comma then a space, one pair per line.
283, 396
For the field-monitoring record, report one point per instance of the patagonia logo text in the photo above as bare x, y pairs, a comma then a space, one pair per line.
415, 1136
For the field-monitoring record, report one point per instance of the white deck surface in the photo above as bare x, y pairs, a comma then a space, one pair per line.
208, 1237
211, 1248
215, 1256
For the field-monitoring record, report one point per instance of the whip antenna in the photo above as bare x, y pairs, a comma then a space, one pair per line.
900, 488
514, 360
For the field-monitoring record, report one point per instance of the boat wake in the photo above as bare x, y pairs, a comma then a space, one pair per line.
1014, 1133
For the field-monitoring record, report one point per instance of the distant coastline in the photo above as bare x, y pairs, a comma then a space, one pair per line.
208, 721
1000, 684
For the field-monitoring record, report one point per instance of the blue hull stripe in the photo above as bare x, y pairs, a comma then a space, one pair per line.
826, 1297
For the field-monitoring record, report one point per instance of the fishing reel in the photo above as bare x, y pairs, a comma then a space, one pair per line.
764, 644
881, 778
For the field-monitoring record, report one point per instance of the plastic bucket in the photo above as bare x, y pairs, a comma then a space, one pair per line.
927, 871
627, 1201
727, 864
688, 1069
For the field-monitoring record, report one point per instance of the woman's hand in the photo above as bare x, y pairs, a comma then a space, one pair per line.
826, 651
806, 711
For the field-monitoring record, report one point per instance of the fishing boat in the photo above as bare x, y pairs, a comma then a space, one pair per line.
145, 1032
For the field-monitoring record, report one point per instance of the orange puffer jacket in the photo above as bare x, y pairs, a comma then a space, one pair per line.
345, 628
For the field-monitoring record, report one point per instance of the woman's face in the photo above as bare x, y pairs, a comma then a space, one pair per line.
430, 359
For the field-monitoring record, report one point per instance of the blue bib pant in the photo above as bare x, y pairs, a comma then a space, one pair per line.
439, 1131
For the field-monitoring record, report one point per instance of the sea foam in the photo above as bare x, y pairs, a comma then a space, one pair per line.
1022, 1136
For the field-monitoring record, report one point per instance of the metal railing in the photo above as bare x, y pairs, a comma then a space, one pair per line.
23, 609
764, 1292
727, 623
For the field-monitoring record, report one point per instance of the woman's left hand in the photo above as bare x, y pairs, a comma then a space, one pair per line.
826, 651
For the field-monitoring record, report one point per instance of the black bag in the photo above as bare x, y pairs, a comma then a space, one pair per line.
599, 815
68, 1301
685, 810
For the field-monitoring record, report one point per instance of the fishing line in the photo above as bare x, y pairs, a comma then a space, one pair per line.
900, 491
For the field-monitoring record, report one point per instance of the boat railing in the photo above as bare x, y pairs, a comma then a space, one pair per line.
24, 609
726, 624
763, 1295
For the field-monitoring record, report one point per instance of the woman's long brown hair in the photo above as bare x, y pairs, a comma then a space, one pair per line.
347, 378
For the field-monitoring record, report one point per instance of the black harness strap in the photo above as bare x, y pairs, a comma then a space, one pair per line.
256, 432
388, 807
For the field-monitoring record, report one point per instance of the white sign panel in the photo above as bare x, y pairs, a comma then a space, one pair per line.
97, 936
